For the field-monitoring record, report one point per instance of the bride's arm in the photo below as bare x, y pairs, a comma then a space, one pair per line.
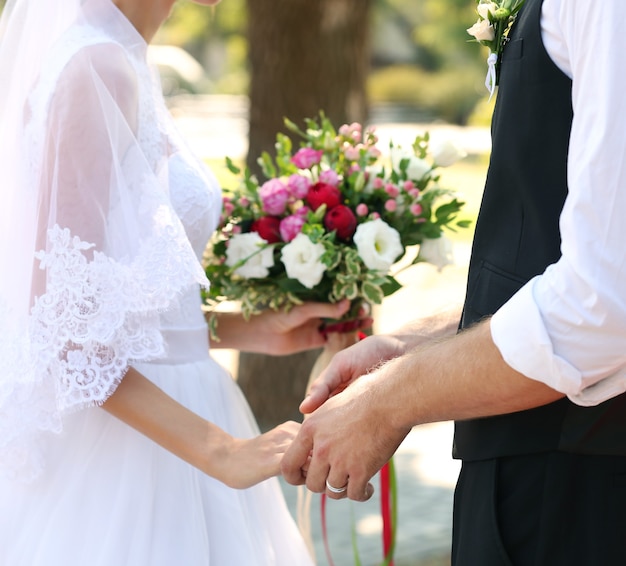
238, 463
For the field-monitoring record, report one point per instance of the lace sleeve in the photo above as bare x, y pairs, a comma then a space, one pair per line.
102, 252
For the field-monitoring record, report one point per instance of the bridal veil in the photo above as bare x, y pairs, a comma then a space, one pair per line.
91, 251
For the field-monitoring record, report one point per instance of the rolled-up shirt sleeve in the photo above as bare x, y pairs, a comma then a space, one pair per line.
567, 326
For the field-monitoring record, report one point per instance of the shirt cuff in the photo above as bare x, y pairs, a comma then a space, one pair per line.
518, 331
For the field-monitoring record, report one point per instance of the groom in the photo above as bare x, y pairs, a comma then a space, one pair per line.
535, 377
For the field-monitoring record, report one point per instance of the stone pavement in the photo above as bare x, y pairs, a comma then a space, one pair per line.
426, 473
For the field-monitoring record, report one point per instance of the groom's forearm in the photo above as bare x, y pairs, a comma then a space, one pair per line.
458, 378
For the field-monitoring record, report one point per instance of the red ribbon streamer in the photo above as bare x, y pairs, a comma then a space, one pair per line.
386, 512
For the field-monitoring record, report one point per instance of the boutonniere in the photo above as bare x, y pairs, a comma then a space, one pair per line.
492, 29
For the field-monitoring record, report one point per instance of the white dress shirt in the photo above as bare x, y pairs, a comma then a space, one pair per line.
567, 327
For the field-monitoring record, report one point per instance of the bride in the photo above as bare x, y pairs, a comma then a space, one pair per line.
121, 440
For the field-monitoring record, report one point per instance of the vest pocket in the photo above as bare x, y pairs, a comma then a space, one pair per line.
514, 49
493, 288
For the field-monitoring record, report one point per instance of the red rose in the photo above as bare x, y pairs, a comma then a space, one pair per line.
323, 193
341, 219
268, 228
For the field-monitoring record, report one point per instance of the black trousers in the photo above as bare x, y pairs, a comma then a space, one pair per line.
552, 509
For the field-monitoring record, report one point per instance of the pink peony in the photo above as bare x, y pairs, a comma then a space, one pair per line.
322, 193
306, 157
329, 177
291, 226
342, 220
298, 186
274, 196
268, 228
351, 152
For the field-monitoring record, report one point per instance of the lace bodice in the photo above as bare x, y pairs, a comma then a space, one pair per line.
196, 198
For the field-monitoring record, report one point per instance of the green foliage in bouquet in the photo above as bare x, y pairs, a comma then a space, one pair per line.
331, 218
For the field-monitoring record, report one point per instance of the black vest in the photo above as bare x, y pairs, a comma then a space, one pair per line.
517, 237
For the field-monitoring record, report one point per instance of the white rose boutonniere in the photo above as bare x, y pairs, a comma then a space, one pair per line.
495, 19
252, 252
378, 244
302, 260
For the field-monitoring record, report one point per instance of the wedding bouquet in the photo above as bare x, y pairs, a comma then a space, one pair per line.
331, 218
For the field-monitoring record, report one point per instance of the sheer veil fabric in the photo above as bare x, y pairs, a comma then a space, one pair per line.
92, 252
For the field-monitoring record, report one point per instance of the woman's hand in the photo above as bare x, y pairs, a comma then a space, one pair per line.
279, 332
245, 463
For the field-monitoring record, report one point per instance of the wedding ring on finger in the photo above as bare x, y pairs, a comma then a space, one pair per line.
336, 490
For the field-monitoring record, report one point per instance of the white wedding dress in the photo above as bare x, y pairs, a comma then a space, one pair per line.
101, 494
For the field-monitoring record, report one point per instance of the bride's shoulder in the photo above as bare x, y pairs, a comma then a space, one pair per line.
100, 59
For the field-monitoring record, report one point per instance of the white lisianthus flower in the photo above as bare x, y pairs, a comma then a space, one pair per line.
378, 244
482, 31
301, 258
486, 8
446, 152
416, 168
249, 248
437, 251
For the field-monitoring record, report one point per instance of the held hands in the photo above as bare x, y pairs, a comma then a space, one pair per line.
344, 442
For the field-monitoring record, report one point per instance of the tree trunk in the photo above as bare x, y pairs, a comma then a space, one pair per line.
305, 56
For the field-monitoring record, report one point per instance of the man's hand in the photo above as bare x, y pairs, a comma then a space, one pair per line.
348, 365
345, 442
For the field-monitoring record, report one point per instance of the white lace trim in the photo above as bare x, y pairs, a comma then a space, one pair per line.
96, 318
